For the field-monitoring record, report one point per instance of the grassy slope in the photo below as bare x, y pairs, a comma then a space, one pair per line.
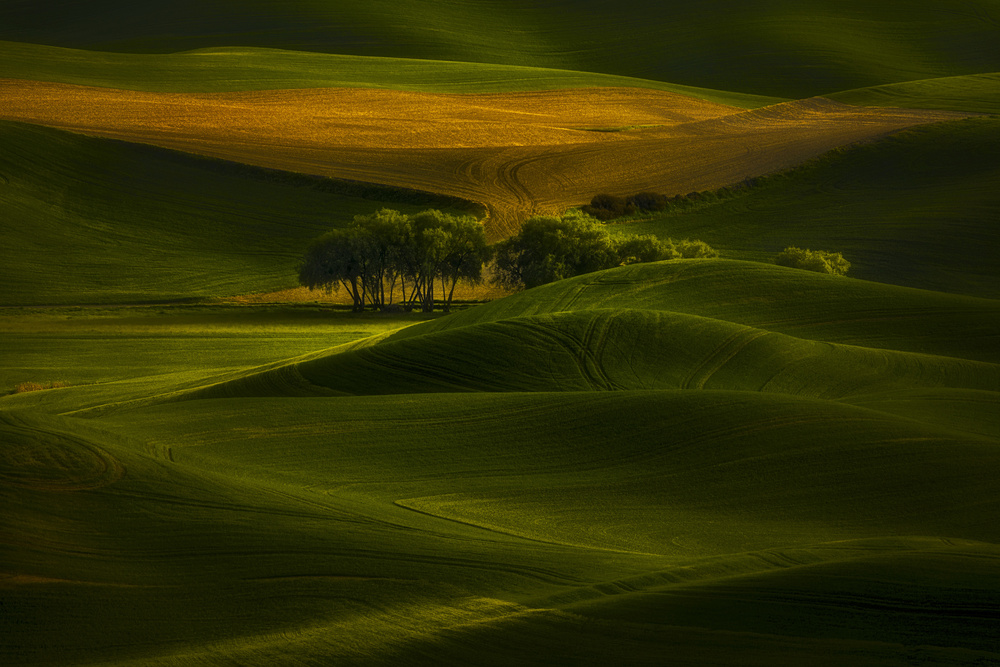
224, 69
95, 221
510, 526
978, 93
772, 48
806, 305
916, 209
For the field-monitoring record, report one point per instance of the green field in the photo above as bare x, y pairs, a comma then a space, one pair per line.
690, 462
97, 221
227, 69
919, 208
447, 493
769, 48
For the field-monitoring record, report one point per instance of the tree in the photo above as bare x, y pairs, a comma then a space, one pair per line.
466, 252
377, 252
334, 259
386, 234
820, 261
549, 248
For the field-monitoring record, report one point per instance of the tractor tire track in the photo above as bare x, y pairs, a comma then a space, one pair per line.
519, 154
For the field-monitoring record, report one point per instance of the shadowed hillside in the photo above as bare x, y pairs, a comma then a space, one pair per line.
918, 209
769, 48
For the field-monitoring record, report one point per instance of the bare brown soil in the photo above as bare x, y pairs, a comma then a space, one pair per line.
516, 153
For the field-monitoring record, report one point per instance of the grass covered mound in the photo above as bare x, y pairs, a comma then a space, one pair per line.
307, 529
799, 303
96, 221
612, 350
973, 92
634, 451
230, 69
917, 209
769, 48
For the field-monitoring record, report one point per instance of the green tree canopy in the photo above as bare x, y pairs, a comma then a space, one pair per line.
820, 261
549, 248
377, 253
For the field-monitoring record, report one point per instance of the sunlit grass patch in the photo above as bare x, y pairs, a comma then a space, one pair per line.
23, 387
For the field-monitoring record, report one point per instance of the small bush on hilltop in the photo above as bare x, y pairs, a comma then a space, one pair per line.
649, 202
820, 261
648, 248
694, 249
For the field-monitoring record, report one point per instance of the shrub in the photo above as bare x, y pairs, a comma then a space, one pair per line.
606, 207
649, 202
648, 248
820, 261
694, 249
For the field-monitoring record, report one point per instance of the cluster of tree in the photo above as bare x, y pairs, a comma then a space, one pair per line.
379, 253
813, 260
547, 249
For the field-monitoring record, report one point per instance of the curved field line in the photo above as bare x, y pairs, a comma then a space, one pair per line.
590, 367
46, 460
720, 356
518, 154
734, 566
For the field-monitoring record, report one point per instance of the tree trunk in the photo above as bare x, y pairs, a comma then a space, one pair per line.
451, 293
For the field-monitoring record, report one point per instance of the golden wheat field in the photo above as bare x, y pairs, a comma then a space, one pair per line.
516, 153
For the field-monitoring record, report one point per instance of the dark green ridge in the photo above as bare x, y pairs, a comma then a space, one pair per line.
312, 529
771, 47
88, 220
979, 93
919, 208
227, 69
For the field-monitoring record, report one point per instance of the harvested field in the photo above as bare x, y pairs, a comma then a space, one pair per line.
517, 153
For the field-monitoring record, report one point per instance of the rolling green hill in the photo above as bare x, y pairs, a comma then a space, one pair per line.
978, 93
520, 513
802, 304
225, 69
96, 221
917, 209
700, 462
770, 48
